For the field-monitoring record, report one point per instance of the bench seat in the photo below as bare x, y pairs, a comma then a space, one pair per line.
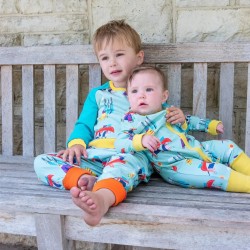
155, 215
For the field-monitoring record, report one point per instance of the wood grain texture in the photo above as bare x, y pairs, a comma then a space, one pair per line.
200, 90
247, 135
67, 54
50, 232
50, 108
174, 84
72, 101
154, 53
7, 110
94, 76
28, 110
149, 212
17, 223
226, 99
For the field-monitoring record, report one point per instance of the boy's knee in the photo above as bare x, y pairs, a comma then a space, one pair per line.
38, 158
39, 162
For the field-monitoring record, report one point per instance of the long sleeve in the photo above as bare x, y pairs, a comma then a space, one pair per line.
83, 131
194, 123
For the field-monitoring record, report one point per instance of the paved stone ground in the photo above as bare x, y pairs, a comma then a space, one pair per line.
11, 247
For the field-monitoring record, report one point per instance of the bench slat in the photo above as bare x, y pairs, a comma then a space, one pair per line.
200, 95
7, 110
72, 100
95, 76
168, 53
16, 159
158, 235
177, 234
39, 55
247, 136
226, 98
200, 89
49, 108
197, 52
149, 196
28, 108
174, 84
17, 223
193, 211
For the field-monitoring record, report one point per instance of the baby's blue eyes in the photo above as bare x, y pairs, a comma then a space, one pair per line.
147, 90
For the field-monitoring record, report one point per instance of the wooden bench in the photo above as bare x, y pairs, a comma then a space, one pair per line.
156, 215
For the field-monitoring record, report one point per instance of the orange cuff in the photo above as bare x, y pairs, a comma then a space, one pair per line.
113, 185
72, 176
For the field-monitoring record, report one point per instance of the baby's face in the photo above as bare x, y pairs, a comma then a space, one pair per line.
146, 93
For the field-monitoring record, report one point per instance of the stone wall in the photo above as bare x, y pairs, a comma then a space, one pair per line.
54, 22
51, 22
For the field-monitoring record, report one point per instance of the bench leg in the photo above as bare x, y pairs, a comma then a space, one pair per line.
50, 233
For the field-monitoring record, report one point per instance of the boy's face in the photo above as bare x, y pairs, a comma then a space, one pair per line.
117, 60
146, 93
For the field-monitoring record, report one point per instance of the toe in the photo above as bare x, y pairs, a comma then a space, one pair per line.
83, 182
75, 192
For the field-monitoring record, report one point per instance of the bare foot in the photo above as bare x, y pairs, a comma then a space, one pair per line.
86, 182
94, 204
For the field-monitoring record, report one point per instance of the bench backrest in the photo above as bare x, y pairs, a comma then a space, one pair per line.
199, 54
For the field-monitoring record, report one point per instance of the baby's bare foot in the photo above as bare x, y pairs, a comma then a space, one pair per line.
86, 182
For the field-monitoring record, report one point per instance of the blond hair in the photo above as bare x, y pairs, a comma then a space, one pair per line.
116, 29
158, 71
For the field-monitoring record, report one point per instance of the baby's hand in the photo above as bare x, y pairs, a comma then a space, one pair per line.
175, 115
74, 151
220, 128
150, 142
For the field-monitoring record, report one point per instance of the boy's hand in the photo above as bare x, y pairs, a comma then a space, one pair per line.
150, 142
220, 128
175, 115
74, 151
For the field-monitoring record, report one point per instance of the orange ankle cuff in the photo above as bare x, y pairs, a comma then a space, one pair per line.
113, 185
72, 176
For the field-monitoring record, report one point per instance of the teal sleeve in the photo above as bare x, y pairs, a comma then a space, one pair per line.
84, 127
196, 123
